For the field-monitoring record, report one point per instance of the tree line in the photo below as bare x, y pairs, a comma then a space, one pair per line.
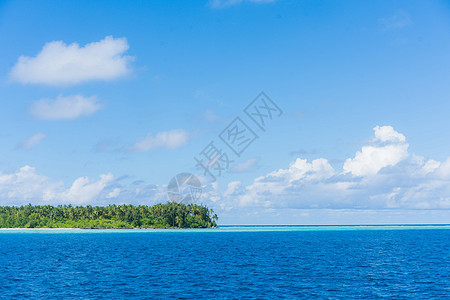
160, 215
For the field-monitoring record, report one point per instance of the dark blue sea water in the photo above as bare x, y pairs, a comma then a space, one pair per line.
229, 263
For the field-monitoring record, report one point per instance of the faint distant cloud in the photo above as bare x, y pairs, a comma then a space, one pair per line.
250, 165
210, 116
62, 64
219, 4
171, 139
303, 152
156, 78
65, 108
298, 114
401, 19
335, 161
32, 141
107, 145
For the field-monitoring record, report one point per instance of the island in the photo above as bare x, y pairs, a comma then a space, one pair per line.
168, 215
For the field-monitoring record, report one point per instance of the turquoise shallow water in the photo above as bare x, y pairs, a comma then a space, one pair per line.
259, 228
263, 262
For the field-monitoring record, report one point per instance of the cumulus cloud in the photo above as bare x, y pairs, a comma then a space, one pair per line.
32, 141
171, 139
382, 175
234, 188
389, 148
408, 182
83, 190
65, 108
27, 186
219, 4
388, 134
62, 64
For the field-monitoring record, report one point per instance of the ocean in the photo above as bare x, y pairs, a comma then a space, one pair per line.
262, 262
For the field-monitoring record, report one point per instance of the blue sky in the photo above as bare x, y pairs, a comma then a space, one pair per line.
111, 99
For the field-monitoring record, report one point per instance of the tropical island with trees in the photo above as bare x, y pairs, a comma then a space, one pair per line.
168, 215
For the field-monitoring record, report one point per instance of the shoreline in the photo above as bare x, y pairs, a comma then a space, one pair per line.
70, 228
45, 228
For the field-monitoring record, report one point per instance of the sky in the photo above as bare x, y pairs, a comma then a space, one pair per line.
105, 102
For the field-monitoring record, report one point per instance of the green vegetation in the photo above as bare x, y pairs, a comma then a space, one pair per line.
113, 216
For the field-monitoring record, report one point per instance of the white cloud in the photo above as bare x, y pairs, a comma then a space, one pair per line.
84, 191
171, 139
284, 181
219, 4
430, 166
114, 193
32, 141
409, 185
27, 186
373, 158
443, 169
61, 64
65, 108
234, 188
383, 175
301, 169
388, 134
